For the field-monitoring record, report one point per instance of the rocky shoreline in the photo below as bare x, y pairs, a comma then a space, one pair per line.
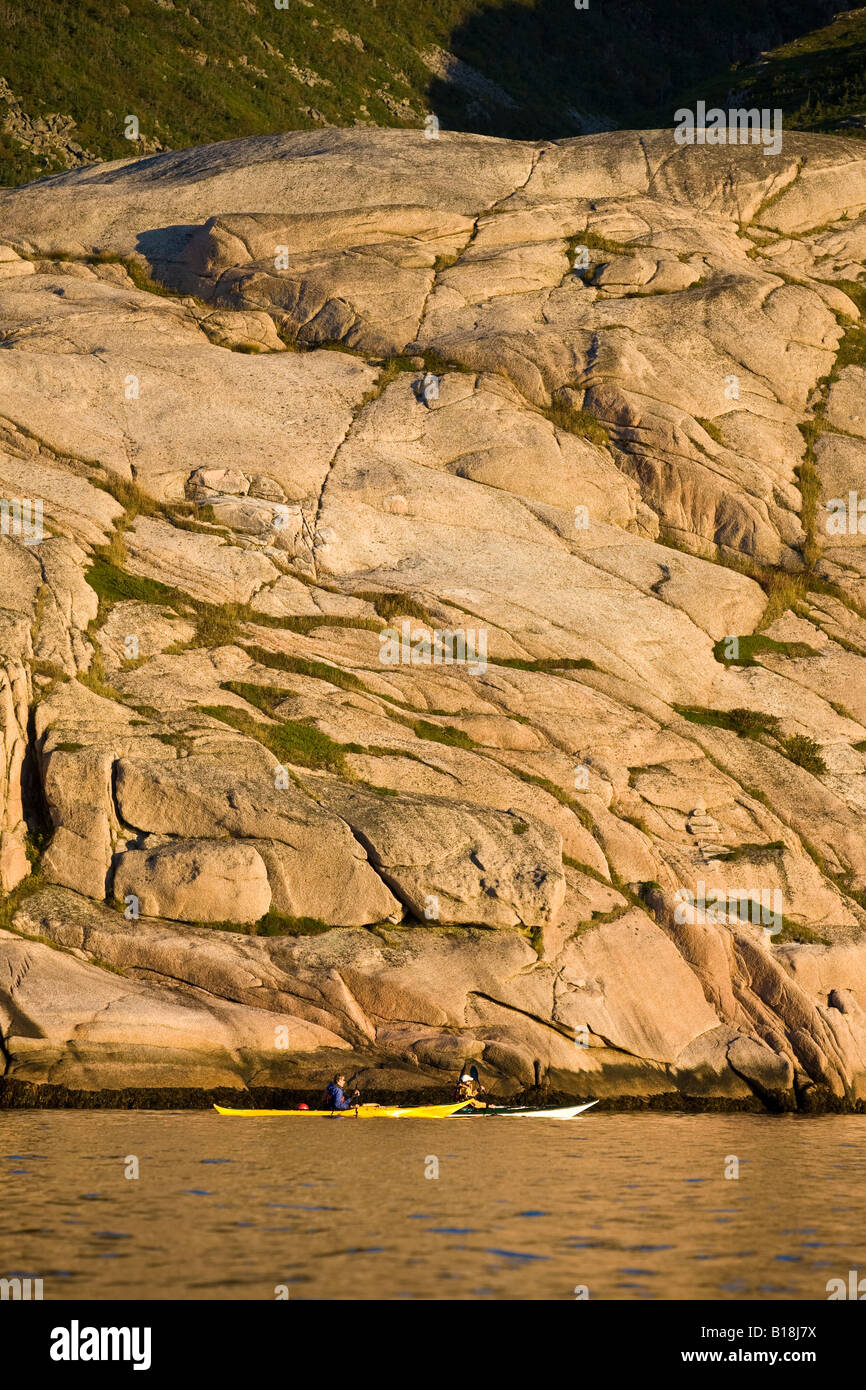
22, 1095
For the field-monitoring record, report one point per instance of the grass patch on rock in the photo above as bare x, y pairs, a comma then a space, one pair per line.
394, 605
805, 752
264, 697
575, 421
756, 854
792, 933
305, 666
291, 741
112, 584
710, 428
553, 665
274, 924
748, 723
443, 733
750, 646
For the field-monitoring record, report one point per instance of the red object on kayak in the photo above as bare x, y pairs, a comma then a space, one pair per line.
303, 1105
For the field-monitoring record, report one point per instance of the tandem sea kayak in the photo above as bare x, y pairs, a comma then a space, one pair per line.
417, 1112
361, 1112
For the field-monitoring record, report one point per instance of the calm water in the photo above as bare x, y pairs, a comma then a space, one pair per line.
633, 1206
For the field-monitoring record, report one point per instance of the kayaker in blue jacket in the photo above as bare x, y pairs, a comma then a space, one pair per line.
336, 1098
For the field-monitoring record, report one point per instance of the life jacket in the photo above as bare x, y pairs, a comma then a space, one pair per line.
467, 1090
332, 1096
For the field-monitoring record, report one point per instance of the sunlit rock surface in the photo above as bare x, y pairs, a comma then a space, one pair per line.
277, 414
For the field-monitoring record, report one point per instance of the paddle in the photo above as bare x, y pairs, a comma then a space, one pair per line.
351, 1082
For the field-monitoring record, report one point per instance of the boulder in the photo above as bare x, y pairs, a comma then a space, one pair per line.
195, 881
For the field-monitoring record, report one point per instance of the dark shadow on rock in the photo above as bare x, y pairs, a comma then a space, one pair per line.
162, 245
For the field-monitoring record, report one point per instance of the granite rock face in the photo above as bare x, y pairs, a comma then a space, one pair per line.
433, 617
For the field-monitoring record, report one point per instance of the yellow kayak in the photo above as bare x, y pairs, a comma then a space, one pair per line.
363, 1112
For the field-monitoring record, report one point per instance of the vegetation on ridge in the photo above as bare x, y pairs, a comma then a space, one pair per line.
209, 70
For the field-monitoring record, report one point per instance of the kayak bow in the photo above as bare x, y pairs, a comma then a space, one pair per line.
564, 1112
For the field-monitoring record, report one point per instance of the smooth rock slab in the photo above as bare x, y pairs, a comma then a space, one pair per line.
454, 863
196, 881
90, 1028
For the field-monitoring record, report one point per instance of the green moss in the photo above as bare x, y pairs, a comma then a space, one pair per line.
306, 625
750, 723
103, 964
598, 919
440, 366
809, 484
207, 526
784, 588
535, 936
142, 280
219, 625
756, 794
36, 839
50, 671
216, 624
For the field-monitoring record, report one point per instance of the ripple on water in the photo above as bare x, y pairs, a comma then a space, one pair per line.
514, 1254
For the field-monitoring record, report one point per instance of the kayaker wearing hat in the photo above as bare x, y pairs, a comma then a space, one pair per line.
468, 1085
335, 1097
